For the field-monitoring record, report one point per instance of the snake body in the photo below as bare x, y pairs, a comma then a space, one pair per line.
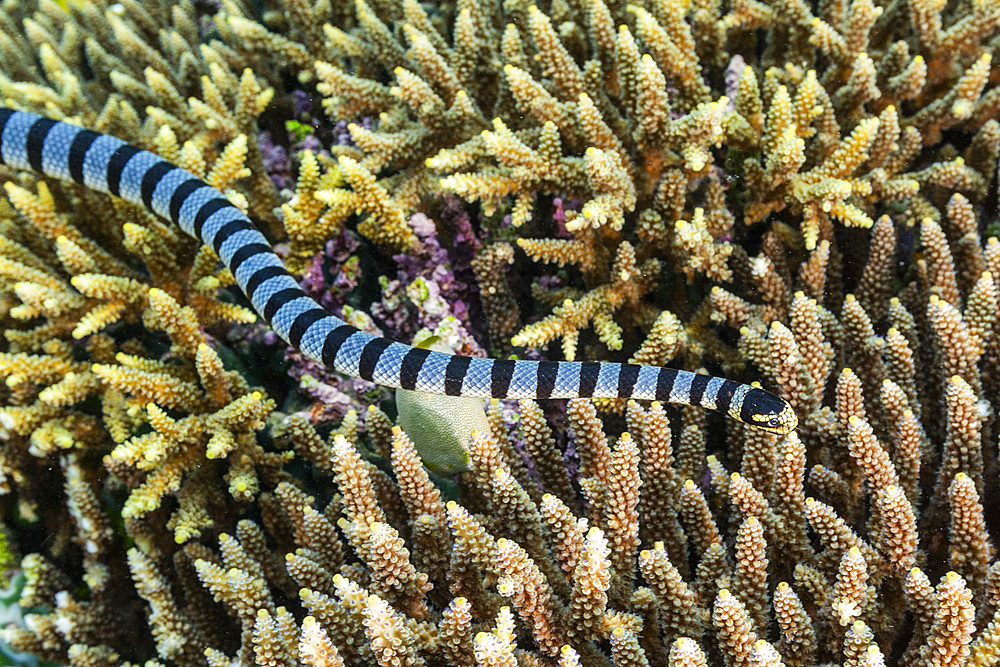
101, 162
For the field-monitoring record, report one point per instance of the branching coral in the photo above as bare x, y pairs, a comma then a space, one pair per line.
624, 122
801, 192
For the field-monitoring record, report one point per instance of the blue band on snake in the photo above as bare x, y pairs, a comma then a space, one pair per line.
101, 162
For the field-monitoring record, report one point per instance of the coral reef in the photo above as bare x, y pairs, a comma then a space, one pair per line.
801, 193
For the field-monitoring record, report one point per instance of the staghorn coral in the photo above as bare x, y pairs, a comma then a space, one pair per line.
604, 600
804, 193
574, 119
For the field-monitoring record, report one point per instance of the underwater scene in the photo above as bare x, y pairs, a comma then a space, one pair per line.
495, 333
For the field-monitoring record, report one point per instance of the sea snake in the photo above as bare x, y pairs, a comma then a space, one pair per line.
101, 162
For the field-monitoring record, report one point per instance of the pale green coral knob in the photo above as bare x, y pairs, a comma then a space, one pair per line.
440, 426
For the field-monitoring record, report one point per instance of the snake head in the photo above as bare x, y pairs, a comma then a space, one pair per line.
766, 411
781, 423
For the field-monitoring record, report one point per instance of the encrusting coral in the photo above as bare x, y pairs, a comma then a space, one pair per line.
802, 193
